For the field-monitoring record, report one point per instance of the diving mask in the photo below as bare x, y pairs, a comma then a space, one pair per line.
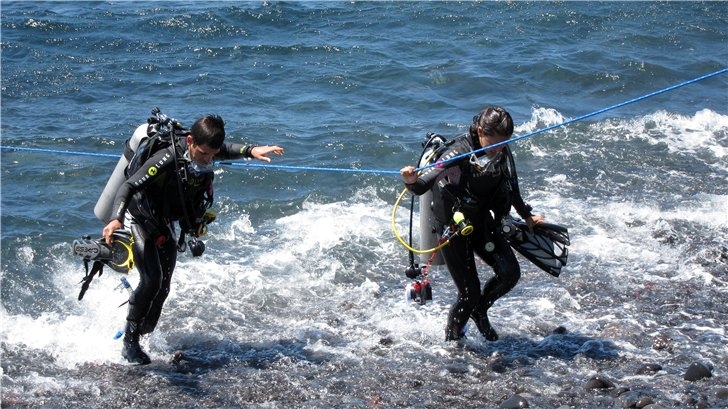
197, 167
486, 163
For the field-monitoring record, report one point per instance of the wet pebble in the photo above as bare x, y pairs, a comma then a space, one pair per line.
721, 393
386, 341
662, 343
633, 399
698, 371
514, 402
649, 369
497, 364
177, 358
599, 382
698, 402
644, 402
619, 391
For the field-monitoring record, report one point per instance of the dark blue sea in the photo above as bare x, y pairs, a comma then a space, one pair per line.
298, 301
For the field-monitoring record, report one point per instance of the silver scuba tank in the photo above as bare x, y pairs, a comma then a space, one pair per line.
103, 207
429, 234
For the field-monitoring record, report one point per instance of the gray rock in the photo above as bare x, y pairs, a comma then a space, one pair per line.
514, 402
599, 382
698, 371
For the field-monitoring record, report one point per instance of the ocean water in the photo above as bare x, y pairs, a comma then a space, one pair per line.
299, 299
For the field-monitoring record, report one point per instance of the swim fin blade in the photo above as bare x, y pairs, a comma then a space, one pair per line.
546, 247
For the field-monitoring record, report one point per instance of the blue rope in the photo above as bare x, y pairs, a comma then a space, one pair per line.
18, 148
257, 165
579, 118
394, 172
252, 165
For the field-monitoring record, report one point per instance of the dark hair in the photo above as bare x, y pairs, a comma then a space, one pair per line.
494, 121
209, 130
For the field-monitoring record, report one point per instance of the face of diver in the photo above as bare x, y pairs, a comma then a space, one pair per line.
487, 140
201, 154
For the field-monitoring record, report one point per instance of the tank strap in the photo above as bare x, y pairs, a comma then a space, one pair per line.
128, 152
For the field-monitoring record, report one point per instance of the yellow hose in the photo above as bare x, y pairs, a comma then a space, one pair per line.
399, 237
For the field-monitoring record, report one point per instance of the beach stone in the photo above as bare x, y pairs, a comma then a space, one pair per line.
649, 369
177, 358
497, 364
698, 403
662, 342
619, 391
514, 402
627, 400
644, 402
633, 399
697, 371
599, 382
386, 341
560, 330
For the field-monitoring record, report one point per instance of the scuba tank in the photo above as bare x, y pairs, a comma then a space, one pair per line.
428, 227
103, 207
158, 133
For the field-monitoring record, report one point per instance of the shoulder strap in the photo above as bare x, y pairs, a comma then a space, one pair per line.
455, 151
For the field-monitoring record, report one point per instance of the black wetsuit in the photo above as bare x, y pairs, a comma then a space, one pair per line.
152, 198
461, 186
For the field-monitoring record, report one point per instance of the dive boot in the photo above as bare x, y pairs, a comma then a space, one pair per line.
483, 324
132, 351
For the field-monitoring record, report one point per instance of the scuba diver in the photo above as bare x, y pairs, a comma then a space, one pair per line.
175, 184
482, 187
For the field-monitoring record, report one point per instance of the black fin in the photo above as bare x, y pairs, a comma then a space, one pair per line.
546, 247
119, 255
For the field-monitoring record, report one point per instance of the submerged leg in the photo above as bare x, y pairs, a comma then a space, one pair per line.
461, 265
507, 273
132, 351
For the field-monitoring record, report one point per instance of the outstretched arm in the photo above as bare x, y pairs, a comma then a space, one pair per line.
237, 150
262, 152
